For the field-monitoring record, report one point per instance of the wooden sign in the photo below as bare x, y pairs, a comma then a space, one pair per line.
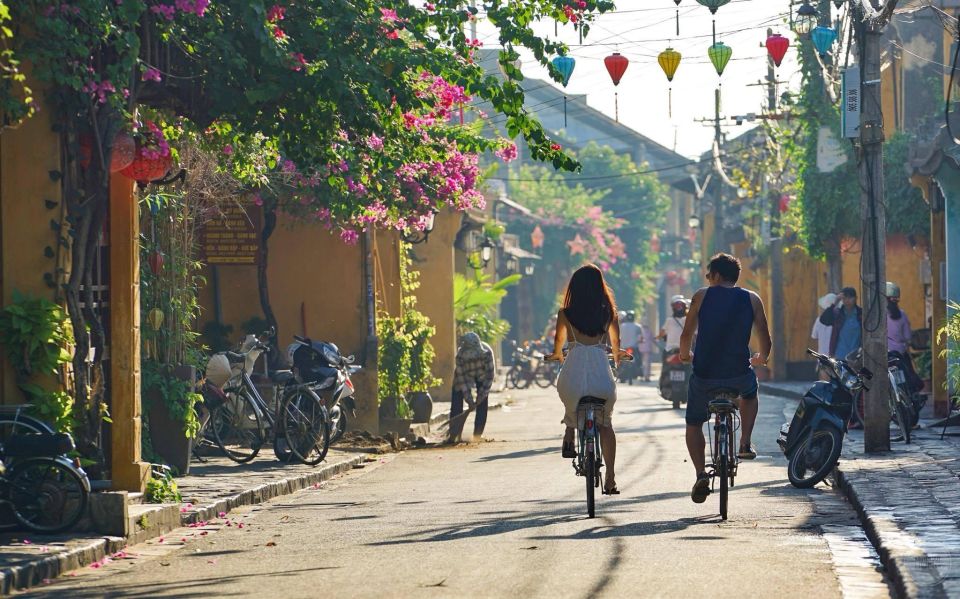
232, 238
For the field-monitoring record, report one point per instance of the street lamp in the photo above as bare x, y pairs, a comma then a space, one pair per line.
486, 251
694, 221
414, 236
528, 269
806, 19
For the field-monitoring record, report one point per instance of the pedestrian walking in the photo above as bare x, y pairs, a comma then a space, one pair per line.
475, 370
646, 350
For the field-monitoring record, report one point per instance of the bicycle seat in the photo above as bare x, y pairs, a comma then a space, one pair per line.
594, 401
281, 377
721, 406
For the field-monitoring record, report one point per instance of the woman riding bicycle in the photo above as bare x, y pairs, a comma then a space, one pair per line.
589, 314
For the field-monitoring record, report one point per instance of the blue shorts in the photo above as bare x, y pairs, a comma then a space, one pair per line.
698, 397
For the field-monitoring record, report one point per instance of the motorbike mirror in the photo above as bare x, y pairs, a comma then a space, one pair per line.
349, 359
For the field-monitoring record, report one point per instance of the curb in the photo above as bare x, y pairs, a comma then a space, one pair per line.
34, 573
51, 566
912, 573
771, 390
268, 491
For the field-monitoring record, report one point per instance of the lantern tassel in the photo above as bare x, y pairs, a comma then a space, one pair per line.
714, 30
670, 101
616, 105
678, 21
564, 111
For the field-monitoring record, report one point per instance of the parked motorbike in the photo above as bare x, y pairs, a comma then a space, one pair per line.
812, 441
674, 379
631, 370
321, 363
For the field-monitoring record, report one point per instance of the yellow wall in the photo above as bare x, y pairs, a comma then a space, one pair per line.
317, 288
434, 259
27, 155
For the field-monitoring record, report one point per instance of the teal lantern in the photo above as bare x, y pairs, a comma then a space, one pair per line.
713, 5
564, 64
823, 38
720, 54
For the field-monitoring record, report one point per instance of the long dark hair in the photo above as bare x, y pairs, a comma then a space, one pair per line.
589, 303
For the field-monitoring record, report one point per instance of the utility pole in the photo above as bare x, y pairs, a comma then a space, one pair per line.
873, 272
718, 243
776, 246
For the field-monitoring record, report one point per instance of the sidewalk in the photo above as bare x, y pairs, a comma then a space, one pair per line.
909, 504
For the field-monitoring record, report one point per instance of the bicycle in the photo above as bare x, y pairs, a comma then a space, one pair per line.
44, 490
589, 460
723, 454
898, 403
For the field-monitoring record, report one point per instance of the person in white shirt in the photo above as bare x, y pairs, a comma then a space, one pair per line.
670, 333
822, 332
631, 335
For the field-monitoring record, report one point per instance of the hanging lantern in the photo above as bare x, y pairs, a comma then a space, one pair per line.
536, 238
123, 153
616, 65
655, 244
155, 318
669, 60
155, 261
777, 47
823, 38
564, 64
145, 170
805, 19
720, 54
713, 5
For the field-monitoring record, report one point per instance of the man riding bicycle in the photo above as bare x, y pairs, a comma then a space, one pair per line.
722, 316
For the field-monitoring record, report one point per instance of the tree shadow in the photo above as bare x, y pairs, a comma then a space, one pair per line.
526, 453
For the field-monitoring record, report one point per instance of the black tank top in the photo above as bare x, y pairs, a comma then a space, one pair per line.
724, 324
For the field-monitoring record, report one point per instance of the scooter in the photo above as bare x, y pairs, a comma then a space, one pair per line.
321, 363
813, 440
674, 379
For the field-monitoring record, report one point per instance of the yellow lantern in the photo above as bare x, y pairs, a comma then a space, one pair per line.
155, 318
669, 61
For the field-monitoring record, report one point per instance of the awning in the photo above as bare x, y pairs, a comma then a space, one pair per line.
518, 252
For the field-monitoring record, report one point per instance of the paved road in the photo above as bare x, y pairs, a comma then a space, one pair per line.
506, 518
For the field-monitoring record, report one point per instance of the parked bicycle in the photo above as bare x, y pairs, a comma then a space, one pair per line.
723, 455
45, 491
530, 367
904, 413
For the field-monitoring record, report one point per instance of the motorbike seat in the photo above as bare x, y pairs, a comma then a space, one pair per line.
281, 377
234, 357
39, 445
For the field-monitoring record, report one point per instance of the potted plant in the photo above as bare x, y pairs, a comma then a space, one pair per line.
393, 374
422, 354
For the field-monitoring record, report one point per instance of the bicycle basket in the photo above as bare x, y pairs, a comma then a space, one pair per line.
218, 370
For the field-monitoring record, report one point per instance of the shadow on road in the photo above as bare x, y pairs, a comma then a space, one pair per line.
527, 453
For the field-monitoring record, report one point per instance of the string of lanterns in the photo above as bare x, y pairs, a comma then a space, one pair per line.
805, 22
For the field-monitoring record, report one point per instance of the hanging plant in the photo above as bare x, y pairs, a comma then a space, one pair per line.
153, 158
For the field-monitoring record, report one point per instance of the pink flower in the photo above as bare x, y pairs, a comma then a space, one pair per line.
571, 14
228, 149
276, 13
507, 153
279, 34
581, 4
375, 143
474, 43
391, 35
349, 236
299, 59
257, 200
389, 15
430, 6
168, 12
555, 147
151, 74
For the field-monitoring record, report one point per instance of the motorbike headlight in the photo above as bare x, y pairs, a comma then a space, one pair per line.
850, 380
330, 356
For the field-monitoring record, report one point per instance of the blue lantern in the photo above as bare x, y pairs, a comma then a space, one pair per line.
565, 65
823, 38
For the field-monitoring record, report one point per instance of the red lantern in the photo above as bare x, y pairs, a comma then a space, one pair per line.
784, 203
777, 47
144, 169
671, 276
123, 153
616, 65
155, 261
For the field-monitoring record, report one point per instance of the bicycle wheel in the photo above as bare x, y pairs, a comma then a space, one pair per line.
237, 427
47, 496
305, 425
589, 474
17, 424
545, 376
899, 415
513, 377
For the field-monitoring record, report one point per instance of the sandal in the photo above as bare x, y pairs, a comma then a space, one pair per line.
747, 452
568, 451
611, 491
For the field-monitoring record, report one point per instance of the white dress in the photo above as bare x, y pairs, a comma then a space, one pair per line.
586, 372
